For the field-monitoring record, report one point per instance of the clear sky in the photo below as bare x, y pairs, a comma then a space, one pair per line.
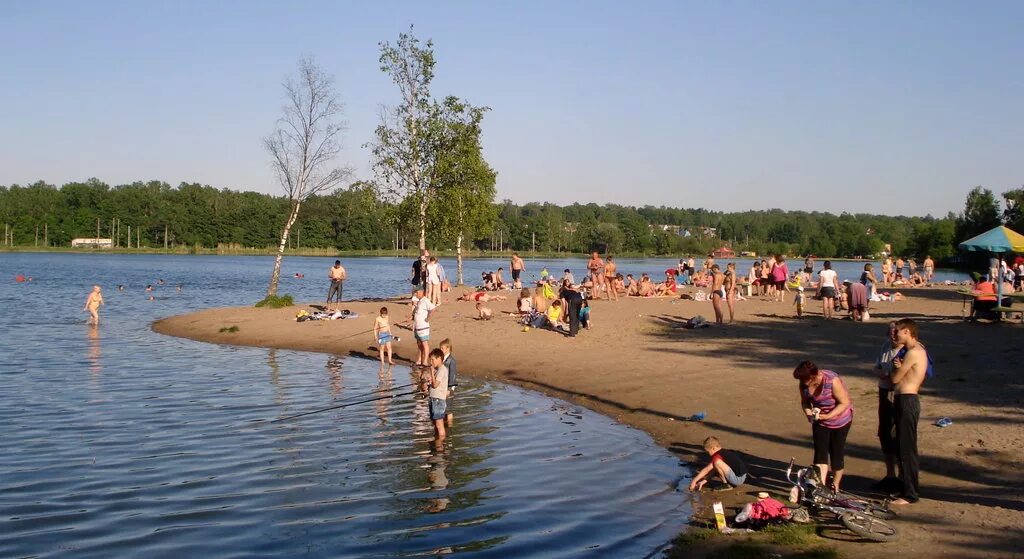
883, 107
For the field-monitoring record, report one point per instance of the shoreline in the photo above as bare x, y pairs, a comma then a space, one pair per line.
640, 368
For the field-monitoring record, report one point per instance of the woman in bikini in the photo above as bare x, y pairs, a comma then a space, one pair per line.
730, 288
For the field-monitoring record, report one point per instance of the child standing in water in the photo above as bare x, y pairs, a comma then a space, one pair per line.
438, 393
453, 378
92, 304
382, 331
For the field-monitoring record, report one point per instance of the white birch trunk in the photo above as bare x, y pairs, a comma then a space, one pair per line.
276, 276
458, 258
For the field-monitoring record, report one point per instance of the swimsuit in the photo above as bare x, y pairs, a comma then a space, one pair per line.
383, 338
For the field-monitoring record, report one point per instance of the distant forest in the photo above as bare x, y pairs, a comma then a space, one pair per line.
355, 219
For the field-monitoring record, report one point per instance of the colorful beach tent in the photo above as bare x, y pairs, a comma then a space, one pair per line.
998, 240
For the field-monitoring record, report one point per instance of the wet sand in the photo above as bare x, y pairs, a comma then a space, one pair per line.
641, 367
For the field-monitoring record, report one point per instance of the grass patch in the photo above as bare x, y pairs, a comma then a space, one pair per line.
229, 329
791, 533
695, 536
276, 302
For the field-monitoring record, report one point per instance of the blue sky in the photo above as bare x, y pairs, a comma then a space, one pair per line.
886, 107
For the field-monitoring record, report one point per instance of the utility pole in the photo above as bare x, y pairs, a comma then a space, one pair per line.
165, 236
533, 243
129, 236
97, 229
46, 230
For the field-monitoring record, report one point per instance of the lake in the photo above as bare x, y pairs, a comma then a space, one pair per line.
121, 442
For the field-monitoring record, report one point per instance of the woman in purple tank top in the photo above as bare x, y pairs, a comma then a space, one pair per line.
829, 409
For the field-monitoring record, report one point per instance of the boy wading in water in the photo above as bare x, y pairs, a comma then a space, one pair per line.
453, 377
727, 464
907, 376
92, 304
382, 331
438, 392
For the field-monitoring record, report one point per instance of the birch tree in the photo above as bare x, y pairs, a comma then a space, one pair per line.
304, 146
406, 150
464, 205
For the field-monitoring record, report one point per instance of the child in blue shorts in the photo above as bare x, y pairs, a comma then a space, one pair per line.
438, 392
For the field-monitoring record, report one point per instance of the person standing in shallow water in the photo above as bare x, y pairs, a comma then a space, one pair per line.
92, 304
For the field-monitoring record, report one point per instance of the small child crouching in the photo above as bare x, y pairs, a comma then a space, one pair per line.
727, 464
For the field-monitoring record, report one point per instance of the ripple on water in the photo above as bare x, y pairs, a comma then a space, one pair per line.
122, 442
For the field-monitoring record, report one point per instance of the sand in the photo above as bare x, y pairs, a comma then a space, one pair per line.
641, 367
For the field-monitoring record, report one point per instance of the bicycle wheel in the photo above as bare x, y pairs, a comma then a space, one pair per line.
867, 526
863, 505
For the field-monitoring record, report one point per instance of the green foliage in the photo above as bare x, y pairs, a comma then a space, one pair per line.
276, 301
791, 533
981, 213
693, 536
1013, 214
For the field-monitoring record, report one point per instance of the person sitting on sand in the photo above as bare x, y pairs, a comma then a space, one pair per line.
585, 315
488, 279
480, 296
729, 467
645, 287
483, 313
499, 279
567, 275
668, 288
619, 284
917, 280
554, 314
523, 304
632, 286
538, 301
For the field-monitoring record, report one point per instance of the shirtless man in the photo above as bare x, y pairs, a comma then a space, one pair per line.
929, 268
518, 267
609, 279
596, 267
909, 370
717, 291
92, 304
887, 275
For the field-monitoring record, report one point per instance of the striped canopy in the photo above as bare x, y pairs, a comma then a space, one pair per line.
1000, 239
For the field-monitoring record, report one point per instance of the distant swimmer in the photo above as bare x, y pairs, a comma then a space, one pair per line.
179, 288
92, 304
160, 281
149, 287
120, 288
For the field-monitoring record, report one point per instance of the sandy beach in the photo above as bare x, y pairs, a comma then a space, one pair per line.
640, 366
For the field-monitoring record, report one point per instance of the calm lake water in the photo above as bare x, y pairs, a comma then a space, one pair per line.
120, 442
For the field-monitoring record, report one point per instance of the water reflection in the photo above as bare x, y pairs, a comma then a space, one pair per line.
334, 363
95, 366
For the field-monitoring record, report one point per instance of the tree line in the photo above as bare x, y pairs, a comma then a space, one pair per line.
358, 218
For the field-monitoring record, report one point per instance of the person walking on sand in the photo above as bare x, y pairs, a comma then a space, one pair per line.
92, 304
609, 279
929, 268
518, 267
717, 292
337, 276
910, 367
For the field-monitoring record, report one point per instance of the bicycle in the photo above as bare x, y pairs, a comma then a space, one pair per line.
860, 516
